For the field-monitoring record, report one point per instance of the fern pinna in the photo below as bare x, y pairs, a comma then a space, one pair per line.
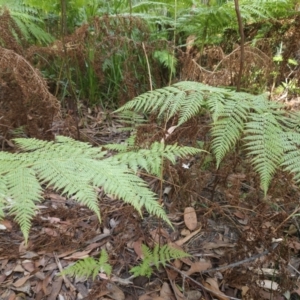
269, 135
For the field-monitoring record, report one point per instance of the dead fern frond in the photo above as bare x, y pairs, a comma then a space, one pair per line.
24, 99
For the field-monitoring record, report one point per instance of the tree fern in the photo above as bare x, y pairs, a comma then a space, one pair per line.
159, 255
89, 267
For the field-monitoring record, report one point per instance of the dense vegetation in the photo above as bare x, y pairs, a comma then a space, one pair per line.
212, 82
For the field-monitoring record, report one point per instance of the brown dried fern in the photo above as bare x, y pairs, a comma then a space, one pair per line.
24, 100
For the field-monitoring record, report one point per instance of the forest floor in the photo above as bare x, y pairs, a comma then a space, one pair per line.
243, 246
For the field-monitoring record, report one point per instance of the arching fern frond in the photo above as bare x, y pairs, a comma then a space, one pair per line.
73, 168
25, 192
185, 100
3, 193
263, 126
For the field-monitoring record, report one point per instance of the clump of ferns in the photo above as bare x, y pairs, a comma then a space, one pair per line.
159, 256
269, 138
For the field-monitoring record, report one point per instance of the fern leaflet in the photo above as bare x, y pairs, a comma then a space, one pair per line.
159, 255
89, 267
265, 146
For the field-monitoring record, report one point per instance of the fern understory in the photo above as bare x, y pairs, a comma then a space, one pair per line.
259, 130
268, 135
160, 255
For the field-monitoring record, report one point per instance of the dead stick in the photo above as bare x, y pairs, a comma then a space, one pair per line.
66, 280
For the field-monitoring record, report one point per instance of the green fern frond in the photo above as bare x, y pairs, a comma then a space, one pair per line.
131, 119
265, 146
261, 124
73, 168
89, 267
166, 59
159, 255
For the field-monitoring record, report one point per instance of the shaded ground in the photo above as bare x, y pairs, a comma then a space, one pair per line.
244, 246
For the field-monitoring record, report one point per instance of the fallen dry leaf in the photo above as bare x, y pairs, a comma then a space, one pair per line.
217, 244
294, 245
185, 232
199, 266
177, 293
45, 287
79, 255
187, 238
148, 297
50, 231
213, 286
177, 263
21, 281
166, 292
190, 218
7, 225
137, 246
193, 295
114, 292
157, 235
28, 265
25, 288
56, 287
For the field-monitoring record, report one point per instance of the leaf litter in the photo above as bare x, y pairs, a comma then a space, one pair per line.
242, 245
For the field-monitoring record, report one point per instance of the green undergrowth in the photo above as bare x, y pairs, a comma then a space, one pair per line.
75, 169
160, 255
266, 134
89, 267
